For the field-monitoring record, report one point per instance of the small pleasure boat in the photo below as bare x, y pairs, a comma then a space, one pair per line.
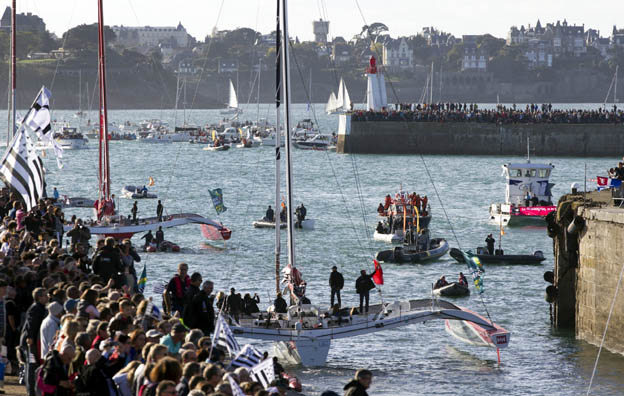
453, 289
422, 250
134, 192
500, 257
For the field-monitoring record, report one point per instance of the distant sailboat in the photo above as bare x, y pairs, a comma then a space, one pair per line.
233, 102
340, 103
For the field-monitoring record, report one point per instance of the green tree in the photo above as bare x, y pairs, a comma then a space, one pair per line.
85, 37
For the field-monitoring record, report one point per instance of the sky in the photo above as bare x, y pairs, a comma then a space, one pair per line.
403, 17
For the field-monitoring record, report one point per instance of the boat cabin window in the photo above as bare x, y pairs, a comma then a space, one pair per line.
530, 172
515, 172
543, 172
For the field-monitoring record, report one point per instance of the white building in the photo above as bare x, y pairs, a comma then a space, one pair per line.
146, 37
397, 55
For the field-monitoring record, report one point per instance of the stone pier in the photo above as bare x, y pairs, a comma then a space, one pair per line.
473, 138
588, 261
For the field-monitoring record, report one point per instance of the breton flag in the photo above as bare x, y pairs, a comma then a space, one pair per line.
263, 372
224, 337
607, 182
22, 169
236, 389
217, 200
247, 357
38, 117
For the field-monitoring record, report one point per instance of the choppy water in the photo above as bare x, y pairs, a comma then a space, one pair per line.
418, 359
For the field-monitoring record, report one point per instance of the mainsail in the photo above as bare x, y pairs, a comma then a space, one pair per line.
332, 103
233, 103
340, 103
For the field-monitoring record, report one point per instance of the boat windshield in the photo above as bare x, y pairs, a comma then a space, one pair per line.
529, 172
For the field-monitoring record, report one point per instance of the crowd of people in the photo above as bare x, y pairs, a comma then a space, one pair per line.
74, 320
458, 112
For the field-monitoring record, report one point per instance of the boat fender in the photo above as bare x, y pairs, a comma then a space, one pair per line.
552, 230
576, 225
538, 253
549, 276
551, 293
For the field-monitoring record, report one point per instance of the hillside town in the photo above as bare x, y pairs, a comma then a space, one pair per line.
535, 62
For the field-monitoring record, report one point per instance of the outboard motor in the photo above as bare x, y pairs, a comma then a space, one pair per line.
539, 253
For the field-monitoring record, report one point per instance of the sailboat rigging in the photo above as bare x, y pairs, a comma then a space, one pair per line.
303, 334
107, 223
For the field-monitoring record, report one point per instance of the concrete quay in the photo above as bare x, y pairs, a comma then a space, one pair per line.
588, 236
472, 138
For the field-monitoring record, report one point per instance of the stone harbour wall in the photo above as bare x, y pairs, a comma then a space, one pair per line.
601, 257
468, 138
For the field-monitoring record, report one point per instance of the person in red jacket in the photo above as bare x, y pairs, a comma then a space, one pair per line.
176, 289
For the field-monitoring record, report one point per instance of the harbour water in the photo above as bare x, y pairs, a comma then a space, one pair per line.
341, 193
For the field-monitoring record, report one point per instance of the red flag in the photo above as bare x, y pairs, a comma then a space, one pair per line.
378, 275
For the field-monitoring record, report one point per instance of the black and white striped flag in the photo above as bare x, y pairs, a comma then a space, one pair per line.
22, 169
38, 117
247, 357
236, 389
224, 337
263, 372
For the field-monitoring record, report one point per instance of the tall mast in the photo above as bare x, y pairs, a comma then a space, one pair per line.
11, 128
175, 112
431, 86
278, 141
286, 90
258, 96
79, 97
104, 170
615, 86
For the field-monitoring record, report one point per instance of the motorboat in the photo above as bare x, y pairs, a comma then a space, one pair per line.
401, 211
316, 142
415, 253
499, 257
69, 138
135, 192
221, 147
528, 195
164, 246
453, 289
74, 202
307, 224
272, 141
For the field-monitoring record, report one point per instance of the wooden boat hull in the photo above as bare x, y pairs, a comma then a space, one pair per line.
438, 247
508, 259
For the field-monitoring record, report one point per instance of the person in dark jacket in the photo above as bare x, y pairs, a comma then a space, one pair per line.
358, 385
200, 312
490, 243
270, 214
176, 289
193, 289
159, 211
149, 237
363, 286
336, 283
107, 263
250, 304
29, 338
279, 304
234, 303
160, 236
55, 372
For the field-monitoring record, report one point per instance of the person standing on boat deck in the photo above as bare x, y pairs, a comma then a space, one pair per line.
303, 211
363, 285
388, 202
490, 243
270, 214
234, 303
424, 201
336, 283
159, 211
160, 236
55, 194
279, 304
134, 211
380, 209
149, 237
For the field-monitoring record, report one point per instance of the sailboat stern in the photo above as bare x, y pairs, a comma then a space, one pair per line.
306, 352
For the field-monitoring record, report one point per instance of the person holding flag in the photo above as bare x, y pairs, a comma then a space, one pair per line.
364, 284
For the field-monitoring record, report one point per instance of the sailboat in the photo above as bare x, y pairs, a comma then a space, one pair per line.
304, 334
107, 222
232, 103
340, 103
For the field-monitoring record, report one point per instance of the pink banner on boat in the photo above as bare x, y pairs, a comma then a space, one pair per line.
533, 210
